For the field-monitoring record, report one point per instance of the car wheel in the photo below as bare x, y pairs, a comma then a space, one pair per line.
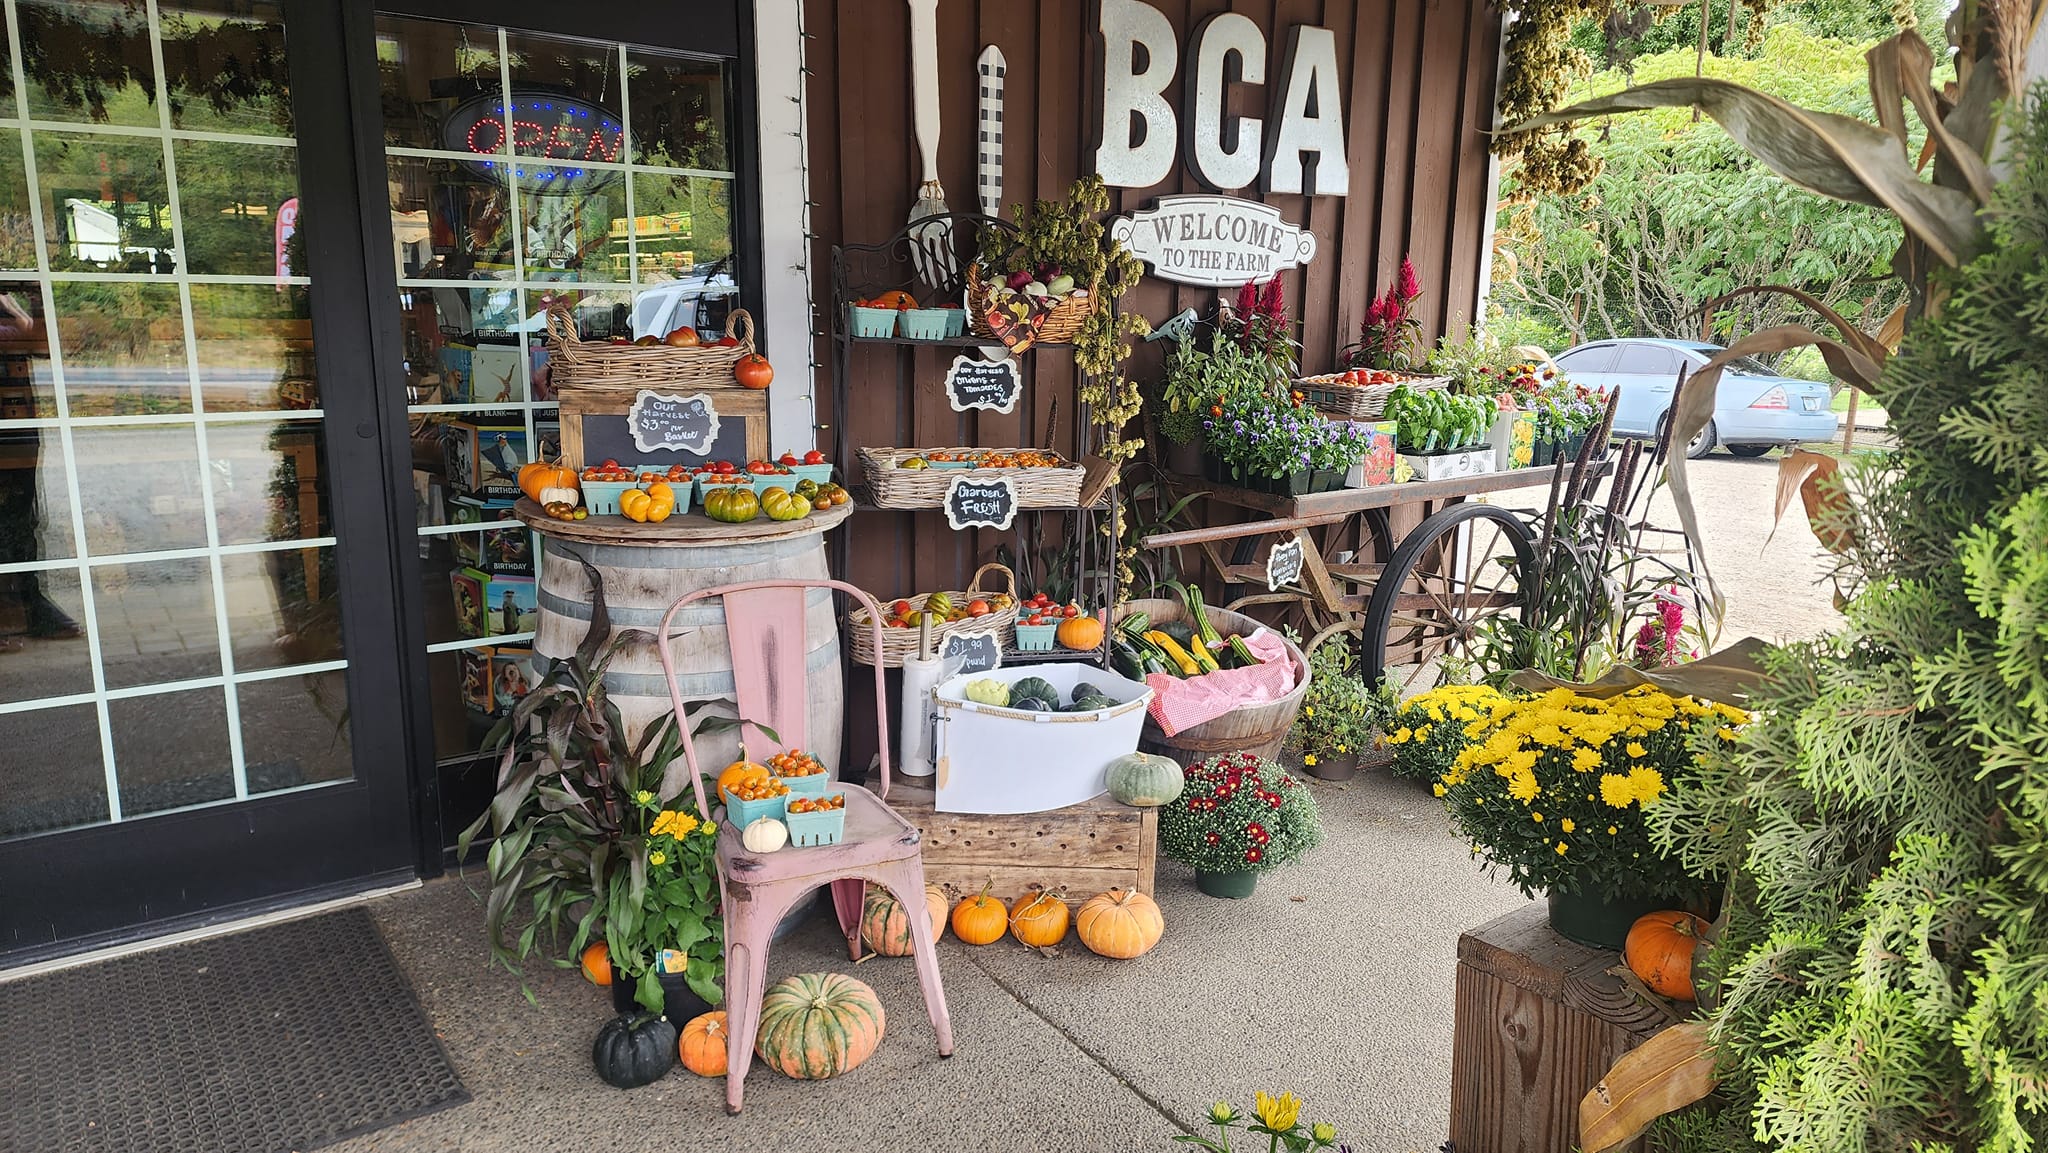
1702, 443
1750, 450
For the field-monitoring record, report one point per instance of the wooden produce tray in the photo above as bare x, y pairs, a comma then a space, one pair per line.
1084, 849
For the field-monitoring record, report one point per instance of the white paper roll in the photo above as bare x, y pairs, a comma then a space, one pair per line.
920, 676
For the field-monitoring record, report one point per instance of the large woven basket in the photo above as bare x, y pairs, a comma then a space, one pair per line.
1332, 397
911, 488
900, 644
578, 363
1061, 325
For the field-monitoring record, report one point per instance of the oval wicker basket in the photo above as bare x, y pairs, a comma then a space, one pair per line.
918, 488
578, 363
1060, 326
901, 644
1331, 396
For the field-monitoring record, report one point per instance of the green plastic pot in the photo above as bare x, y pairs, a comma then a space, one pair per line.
1234, 884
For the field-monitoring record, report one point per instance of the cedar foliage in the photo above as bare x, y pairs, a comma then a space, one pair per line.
1884, 976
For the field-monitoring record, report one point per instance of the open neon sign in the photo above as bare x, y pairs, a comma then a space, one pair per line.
543, 126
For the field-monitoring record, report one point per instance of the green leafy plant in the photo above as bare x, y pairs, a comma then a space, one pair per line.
1276, 1118
1475, 362
1340, 715
1433, 420
1152, 507
1203, 371
1239, 813
676, 907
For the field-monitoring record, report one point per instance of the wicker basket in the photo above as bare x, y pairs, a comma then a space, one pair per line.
911, 488
1061, 325
578, 363
900, 644
1332, 397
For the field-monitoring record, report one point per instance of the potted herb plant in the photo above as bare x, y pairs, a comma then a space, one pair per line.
1200, 370
1339, 725
1238, 816
1555, 789
1442, 434
1565, 412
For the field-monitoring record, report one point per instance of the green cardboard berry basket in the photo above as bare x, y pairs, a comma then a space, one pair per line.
808, 830
739, 814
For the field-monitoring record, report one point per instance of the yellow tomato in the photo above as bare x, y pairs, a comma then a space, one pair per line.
634, 503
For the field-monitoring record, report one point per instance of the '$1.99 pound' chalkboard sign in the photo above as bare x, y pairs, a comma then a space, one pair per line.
981, 503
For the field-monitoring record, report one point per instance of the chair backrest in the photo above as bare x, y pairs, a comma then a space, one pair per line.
765, 628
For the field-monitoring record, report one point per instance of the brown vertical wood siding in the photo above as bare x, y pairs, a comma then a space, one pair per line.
1418, 80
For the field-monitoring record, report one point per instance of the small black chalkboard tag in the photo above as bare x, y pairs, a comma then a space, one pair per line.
1283, 564
976, 383
980, 503
979, 652
661, 421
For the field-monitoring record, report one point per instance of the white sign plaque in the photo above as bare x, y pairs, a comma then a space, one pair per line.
1217, 241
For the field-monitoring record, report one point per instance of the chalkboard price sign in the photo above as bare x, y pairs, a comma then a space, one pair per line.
981, 503
976, 383
978, 652
661, 421
1283, 564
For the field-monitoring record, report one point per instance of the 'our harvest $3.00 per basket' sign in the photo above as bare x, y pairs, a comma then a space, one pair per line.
1216, 241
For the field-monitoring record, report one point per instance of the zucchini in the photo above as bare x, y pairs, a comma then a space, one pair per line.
1187, 664
1135, 624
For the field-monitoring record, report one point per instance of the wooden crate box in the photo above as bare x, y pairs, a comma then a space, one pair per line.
1083, 849
594, 425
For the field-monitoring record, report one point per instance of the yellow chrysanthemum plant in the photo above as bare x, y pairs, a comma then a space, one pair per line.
675, 929
1555, 788
1275, 1117
1428, 730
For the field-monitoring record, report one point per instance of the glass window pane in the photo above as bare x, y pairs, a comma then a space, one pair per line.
65, 784
88, 61
156, 621
139, 485
565, 98
106, 204
575, 224
171, 750
255, 347
450, 220
231, 197
224, 66
42, 644
438, 80
269, 480
35, 497
124, 349
284, 607
295, 731
17, 226
28, 389
680, 112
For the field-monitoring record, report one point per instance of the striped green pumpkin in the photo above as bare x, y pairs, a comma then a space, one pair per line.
818, 1025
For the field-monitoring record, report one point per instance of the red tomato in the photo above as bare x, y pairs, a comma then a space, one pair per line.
811, 457
975, 608
788, 458
610, 463
900, 607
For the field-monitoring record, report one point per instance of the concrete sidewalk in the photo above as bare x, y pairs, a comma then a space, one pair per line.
1333, 982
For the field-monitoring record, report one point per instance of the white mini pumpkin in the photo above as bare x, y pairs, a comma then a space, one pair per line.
765, 835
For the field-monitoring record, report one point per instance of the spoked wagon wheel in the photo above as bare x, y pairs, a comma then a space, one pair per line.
1451, 576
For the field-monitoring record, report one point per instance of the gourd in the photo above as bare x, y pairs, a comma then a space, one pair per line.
1659, 950
1120, 923
597, 963
1034, 688
1089, 704
738, 773
988, 691
1039, 919
818, 1025
544, 482
1083, 634
886, 928
633, 1051
1145, 780
765, 835
703, 1044
980, 919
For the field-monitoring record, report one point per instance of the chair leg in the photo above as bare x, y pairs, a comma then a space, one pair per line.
746, 971
849, 895
906, 881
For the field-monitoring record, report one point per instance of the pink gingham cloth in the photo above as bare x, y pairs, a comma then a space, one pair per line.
1182, 704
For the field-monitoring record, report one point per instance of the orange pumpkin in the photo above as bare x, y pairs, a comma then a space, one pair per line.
702, 1046
1083, 634
980, 919
818, 1025
1039, 919
885, 927
597, 963
1659, 950
895, 298
1120, 923
537, 475
740, 773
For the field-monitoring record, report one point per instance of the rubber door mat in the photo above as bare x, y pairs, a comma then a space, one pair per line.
281, 1038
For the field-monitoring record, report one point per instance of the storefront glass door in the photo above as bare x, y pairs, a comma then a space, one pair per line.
171, 569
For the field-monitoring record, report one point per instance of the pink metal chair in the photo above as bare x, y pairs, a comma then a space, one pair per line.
765, 628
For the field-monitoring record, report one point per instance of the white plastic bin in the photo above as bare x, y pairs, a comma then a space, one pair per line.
997, 760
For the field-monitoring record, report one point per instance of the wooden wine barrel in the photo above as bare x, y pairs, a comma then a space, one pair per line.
1258, 729
645, 569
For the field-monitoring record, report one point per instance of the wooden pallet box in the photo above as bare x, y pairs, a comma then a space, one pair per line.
1083, 848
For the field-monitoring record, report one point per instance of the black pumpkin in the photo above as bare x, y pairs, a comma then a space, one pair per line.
634, 1051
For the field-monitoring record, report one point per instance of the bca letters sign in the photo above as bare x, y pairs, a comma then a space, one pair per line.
1219, 241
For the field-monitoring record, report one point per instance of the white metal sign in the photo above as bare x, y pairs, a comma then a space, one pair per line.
1218, 241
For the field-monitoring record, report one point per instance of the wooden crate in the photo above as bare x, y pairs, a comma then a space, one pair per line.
1539, 1021
1083, 849
594, 425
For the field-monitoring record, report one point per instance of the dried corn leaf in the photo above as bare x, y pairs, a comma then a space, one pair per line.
1662, 1075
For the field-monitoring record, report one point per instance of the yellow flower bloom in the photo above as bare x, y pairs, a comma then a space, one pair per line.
657, 858
1537, 817
1611, 830
1636, 749
1585, 760
1523, 787
644, 797
1616, 791
1308, 759
1278, 1112
1438, 789
1560, 848
1647, 783
1566, 825
1309, 711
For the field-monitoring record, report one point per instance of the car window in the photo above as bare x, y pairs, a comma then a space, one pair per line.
1593, 358
1648, 360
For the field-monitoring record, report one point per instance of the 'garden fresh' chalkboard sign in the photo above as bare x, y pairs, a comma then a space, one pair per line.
1283, 564
981, 503
662, 421
977, 652
976, 383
